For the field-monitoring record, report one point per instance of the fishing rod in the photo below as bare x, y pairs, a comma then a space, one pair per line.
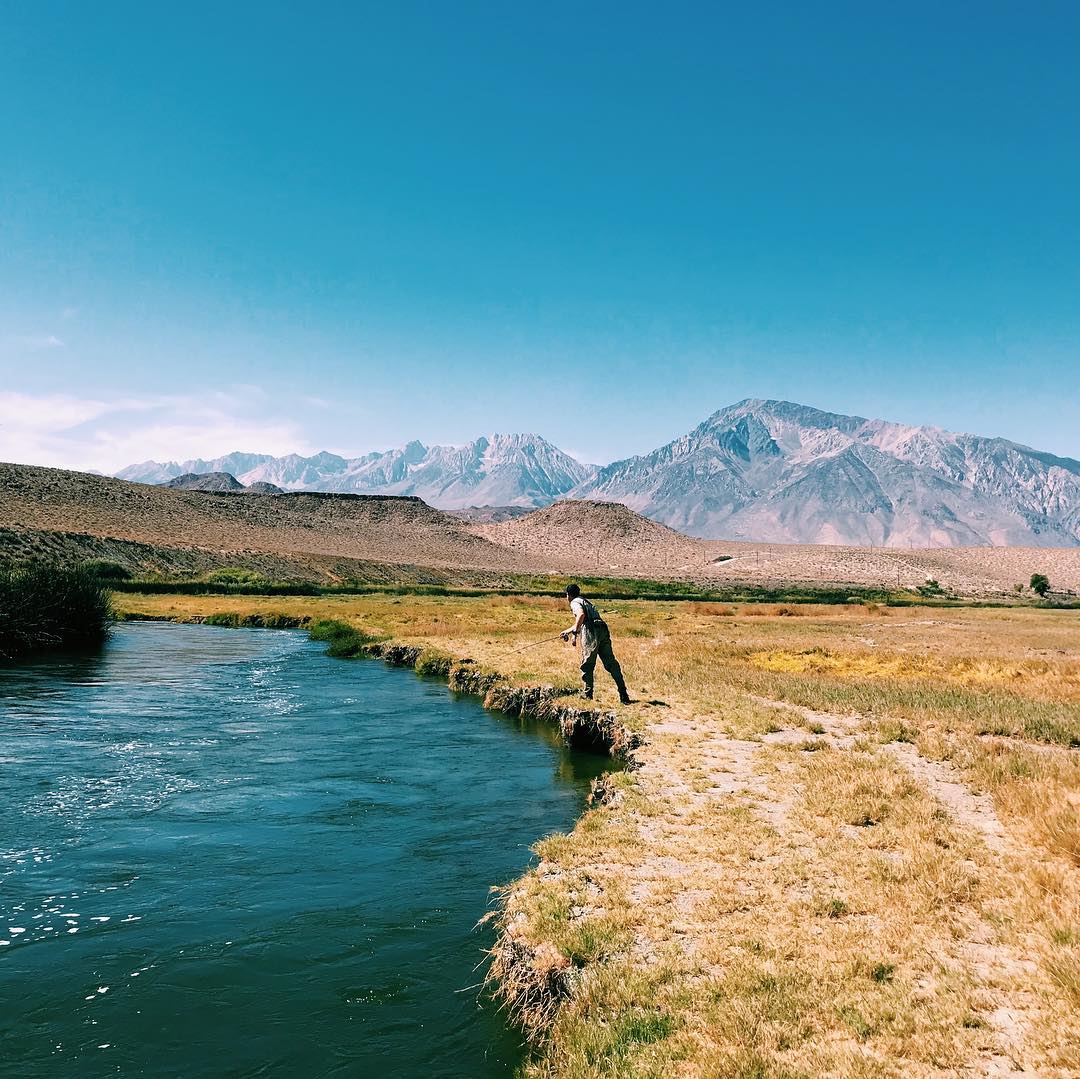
533, 644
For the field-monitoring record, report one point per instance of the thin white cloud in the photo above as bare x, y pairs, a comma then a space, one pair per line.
27, 413
68, 432
34, 342
582, 457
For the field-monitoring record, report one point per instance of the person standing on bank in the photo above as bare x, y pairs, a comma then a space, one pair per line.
595, 643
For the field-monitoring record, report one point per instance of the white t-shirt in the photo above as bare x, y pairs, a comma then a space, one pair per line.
579, 604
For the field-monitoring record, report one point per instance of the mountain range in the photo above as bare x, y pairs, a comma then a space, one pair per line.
503, 470
771, 471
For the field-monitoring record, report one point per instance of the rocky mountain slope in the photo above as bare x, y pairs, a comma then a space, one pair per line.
235, 464
781, 472
503, 470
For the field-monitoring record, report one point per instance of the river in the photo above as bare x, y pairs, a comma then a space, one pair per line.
223, 853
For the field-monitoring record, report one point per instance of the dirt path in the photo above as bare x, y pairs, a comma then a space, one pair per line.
764, 774
1006, 977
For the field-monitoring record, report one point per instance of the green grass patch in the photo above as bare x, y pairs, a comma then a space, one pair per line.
236, 575
271, 620
342, 640
857, 1022
433, 663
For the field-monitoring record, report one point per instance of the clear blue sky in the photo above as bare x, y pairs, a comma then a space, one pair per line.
272, 226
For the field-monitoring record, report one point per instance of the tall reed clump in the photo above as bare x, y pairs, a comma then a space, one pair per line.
44, 607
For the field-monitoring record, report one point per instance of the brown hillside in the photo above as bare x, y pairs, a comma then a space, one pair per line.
72, 516
378, 528
600, 535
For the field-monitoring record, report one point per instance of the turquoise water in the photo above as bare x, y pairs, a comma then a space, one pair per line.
224, 854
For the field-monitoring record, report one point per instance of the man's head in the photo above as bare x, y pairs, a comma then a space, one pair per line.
572, 591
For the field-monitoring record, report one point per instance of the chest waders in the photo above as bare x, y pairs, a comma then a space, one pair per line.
596, 644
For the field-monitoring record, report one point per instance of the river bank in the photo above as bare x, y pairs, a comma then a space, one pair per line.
847, 845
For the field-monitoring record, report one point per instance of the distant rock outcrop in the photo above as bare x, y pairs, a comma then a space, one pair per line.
209, 481
220, 482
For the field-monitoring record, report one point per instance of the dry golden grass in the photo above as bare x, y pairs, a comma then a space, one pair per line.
851, 848
1036, 678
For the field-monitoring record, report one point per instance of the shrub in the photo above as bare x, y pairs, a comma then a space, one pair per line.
1040, 583
277, 620
104, 570
883, 972
930, 588
45, 607
235, 575
433, 662
227, 619
343, 641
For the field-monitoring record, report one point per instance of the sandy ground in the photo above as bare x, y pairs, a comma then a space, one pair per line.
966, 570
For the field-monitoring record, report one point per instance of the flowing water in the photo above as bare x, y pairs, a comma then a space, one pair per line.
224, 854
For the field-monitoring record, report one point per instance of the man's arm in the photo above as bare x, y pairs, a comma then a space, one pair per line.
575, 629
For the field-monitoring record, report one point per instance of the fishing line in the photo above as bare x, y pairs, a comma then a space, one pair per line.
533, 644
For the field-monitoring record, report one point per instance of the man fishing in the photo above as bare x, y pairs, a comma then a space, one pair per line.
595, 643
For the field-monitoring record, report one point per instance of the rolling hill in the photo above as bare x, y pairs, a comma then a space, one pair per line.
68, 517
